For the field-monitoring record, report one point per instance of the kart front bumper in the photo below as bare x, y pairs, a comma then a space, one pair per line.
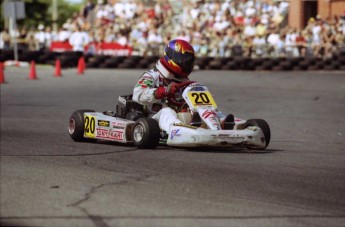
182, 136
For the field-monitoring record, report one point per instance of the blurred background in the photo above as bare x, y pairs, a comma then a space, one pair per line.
216, 28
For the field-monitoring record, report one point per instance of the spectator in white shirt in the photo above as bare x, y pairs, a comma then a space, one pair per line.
78, 40
184, 36
122, 39
64, 34
272, 41
49, 36
221, 24
120, 10
195, 11
259, 43
154, 40
130, 9
249, 30
290, 44
40, 37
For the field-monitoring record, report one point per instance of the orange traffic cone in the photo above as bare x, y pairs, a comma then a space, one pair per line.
32, 73
57, 68
2, 75
81, 65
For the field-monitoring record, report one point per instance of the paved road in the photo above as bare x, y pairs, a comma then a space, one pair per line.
49, 180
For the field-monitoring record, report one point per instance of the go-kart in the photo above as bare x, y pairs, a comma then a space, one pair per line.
196, 108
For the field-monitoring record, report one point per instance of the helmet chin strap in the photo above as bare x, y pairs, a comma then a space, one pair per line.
165, 72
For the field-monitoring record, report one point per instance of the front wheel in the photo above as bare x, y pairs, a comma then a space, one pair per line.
265, 128
76, 125
146, 133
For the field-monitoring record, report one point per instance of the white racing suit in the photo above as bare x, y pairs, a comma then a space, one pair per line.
144, 93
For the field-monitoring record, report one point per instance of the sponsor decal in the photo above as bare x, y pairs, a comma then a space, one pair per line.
145, 83
210, 117
117, 124
215, 122
200, 98
116, 135
89, 126
197, 89
109, 134
147, 77
103, 123
208, 113
174, 133
102, 133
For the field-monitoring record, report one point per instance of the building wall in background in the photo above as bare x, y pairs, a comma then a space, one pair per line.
331, 8
301, 10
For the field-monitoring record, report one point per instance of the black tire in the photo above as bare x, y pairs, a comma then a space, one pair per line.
249, 66
277, 68
232, 65
341, 59
262, 124
267, 65
286, 65
215, 64
294, 61
125, 65
76, 125
303, 65
259, 68
146, 133
92, 65
258, 61
313, 67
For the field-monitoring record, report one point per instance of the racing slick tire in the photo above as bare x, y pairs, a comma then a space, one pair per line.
76, 125
146, 133
262, 124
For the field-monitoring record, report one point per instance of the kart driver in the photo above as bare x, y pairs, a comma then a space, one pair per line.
155, 85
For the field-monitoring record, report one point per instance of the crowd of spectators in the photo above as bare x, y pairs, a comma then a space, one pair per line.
215, 28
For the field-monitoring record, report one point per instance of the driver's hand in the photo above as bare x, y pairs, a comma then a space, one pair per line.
163, 92
171, 89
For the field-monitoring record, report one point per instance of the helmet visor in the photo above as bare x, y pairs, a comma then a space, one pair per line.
185, 61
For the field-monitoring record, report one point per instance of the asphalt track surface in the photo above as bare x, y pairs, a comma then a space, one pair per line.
49, 180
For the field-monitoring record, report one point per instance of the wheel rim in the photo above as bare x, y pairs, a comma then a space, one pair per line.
71, 126
138, 133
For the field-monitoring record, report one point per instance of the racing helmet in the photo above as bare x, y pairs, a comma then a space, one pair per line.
178, 59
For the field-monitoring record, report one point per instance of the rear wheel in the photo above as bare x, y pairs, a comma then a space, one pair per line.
146, 133
76, 125
262, 124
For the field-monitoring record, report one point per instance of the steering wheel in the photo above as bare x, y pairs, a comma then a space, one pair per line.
179, 87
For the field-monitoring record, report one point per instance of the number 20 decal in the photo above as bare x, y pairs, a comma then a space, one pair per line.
201, 98
89, 126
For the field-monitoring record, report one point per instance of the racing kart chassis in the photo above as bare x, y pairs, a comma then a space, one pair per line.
131, 124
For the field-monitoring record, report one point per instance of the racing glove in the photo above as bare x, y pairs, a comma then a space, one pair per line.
162, 92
